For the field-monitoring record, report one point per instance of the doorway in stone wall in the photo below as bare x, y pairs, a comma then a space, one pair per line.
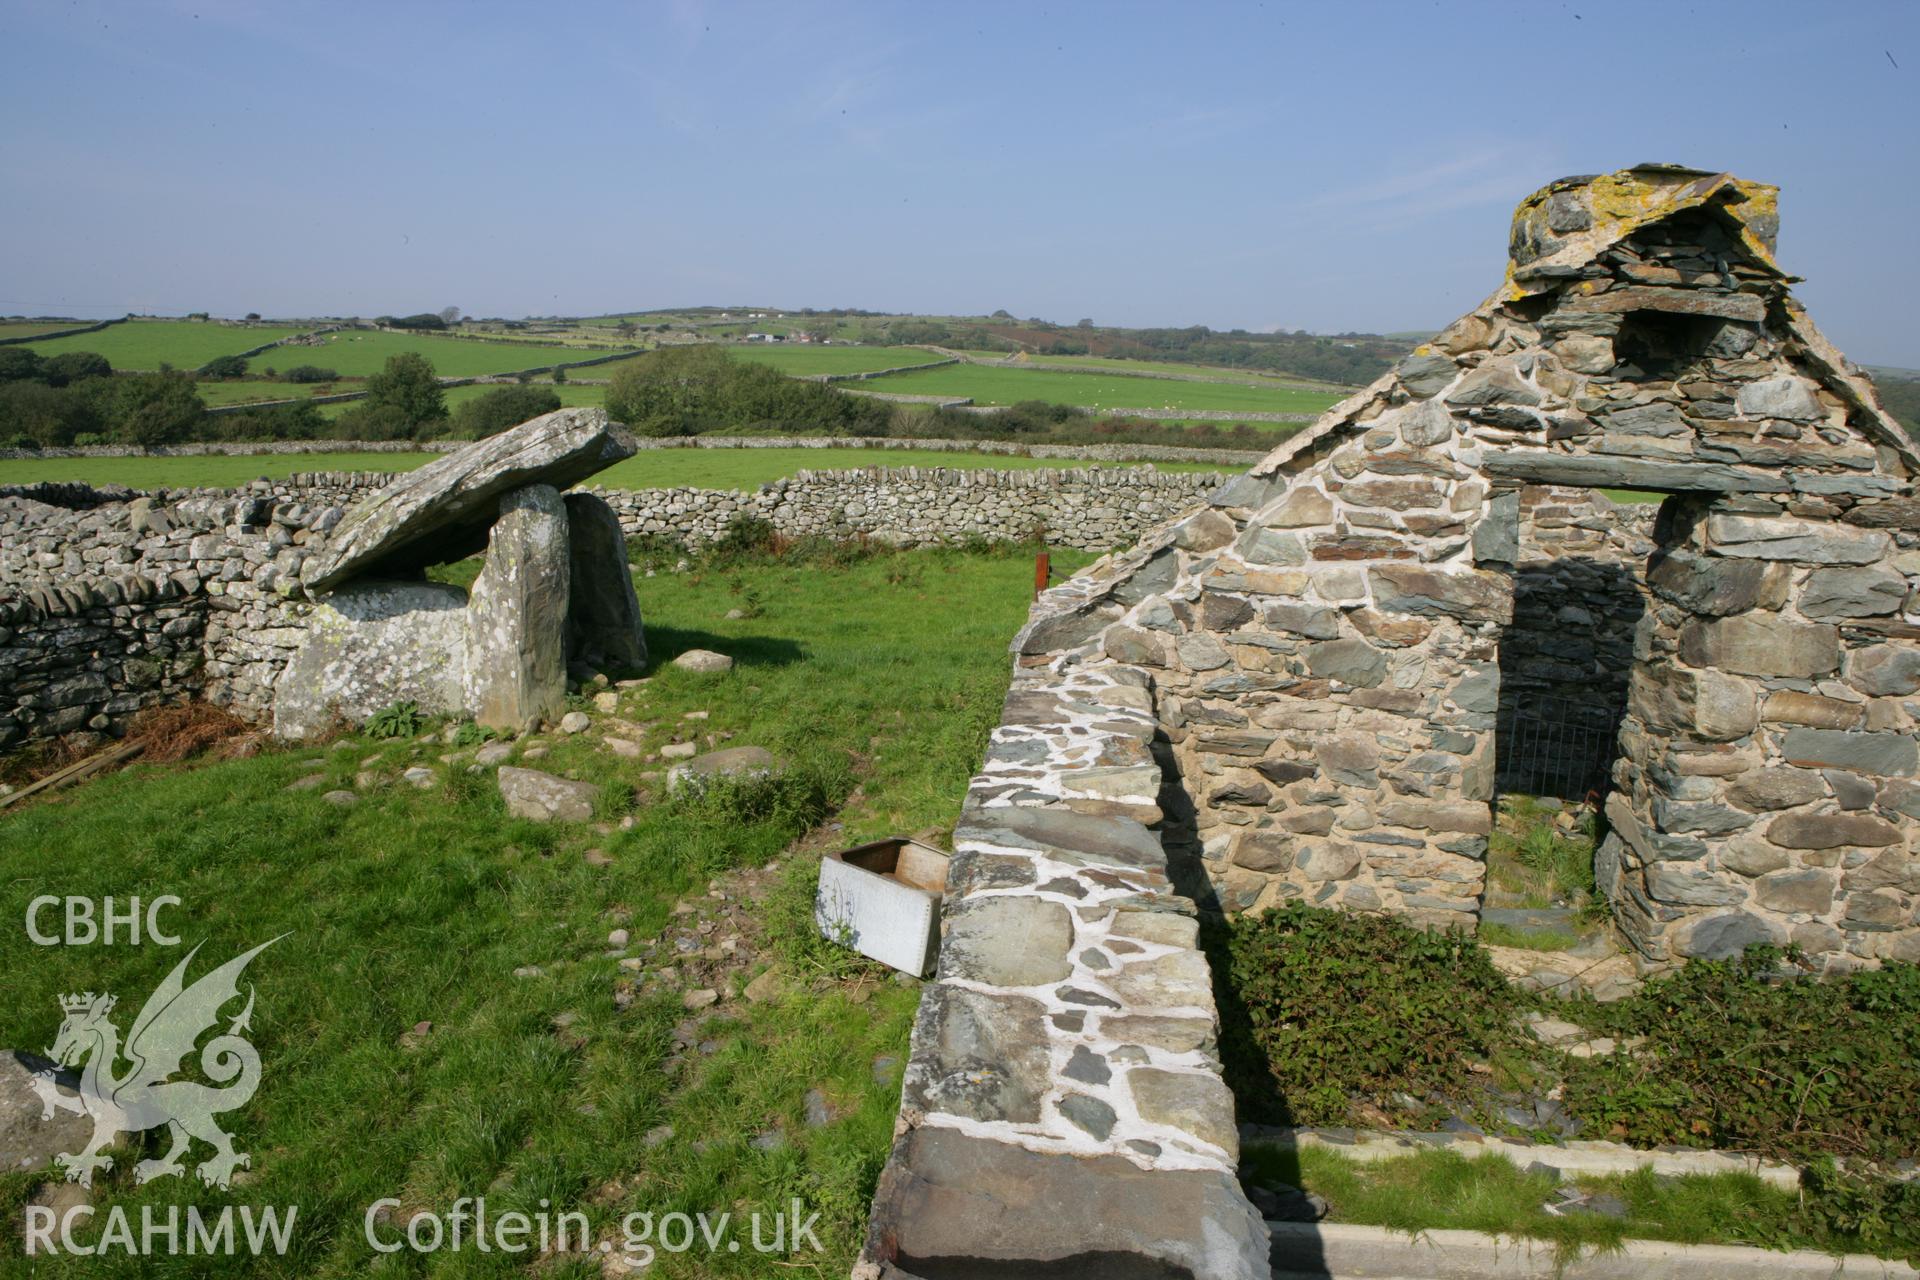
1565, 665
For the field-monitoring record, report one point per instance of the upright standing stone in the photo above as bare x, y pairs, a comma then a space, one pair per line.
369, 646
603, 613
517, 614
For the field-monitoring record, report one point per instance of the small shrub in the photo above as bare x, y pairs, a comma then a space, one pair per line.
1856, 1212
1737, 1054
309, 373
470, 734
655, 551
502, 407
1340, 1007
745, 536
401, 720
225, 367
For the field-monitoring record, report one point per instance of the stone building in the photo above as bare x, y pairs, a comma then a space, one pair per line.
1326, 639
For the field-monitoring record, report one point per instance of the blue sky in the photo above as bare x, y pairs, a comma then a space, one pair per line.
1331, 166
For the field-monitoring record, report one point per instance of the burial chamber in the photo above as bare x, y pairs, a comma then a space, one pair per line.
554, 593
1325, 639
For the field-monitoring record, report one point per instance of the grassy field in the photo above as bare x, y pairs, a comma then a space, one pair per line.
184, 344
1097, 363
27, 328
359, 352
571, 395
247, 392
806, 360
1009, 385
199, 473
659, 469
404, 1058
1443, 1190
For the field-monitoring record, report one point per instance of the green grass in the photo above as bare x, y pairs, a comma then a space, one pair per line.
1096, 363
751, 468
570, 395
1530, 863
184, 344
359, 352
1009, 385
418, 905
806, 360
247, 392
1443, 1190
1505, 935
1634, 495
27, 328
655, 469
210, 472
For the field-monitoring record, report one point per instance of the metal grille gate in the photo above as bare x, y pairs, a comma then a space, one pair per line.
1555, 746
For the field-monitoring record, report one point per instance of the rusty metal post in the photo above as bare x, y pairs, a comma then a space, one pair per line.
1042, 573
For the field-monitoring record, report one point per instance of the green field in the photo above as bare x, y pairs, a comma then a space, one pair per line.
1253, 377
652, 468
571, 395
184, 344
1009, 385
27, 328
359, 352
246, 392
446, 1014
213, 472
804, 360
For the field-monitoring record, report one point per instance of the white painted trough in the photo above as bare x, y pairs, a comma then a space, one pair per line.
883, 900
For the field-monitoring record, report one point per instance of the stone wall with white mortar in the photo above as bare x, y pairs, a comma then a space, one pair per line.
1064, 1081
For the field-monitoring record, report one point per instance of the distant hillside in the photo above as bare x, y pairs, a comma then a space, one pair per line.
1900, 392
1348, 358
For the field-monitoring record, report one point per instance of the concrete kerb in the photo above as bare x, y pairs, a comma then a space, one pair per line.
1347, 1252
1571, 1159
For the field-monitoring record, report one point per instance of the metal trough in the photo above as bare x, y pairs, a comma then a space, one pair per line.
883, 900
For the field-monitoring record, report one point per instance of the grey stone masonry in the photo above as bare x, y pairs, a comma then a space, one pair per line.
112, 598
1092, 508
1329, 637
1063, 1106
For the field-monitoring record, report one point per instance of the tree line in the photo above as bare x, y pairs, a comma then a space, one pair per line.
78, 399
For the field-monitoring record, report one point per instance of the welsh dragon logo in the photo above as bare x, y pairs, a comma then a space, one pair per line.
142, 1097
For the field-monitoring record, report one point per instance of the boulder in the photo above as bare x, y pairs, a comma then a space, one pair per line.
733, 762
542, 797
369, 646
603, 613
442, 511
516, 617
703, 660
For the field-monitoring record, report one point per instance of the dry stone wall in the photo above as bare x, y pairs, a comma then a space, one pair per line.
1326, 637
1091, 509
111, 599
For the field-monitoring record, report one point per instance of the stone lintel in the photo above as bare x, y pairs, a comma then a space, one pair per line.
1539, 467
